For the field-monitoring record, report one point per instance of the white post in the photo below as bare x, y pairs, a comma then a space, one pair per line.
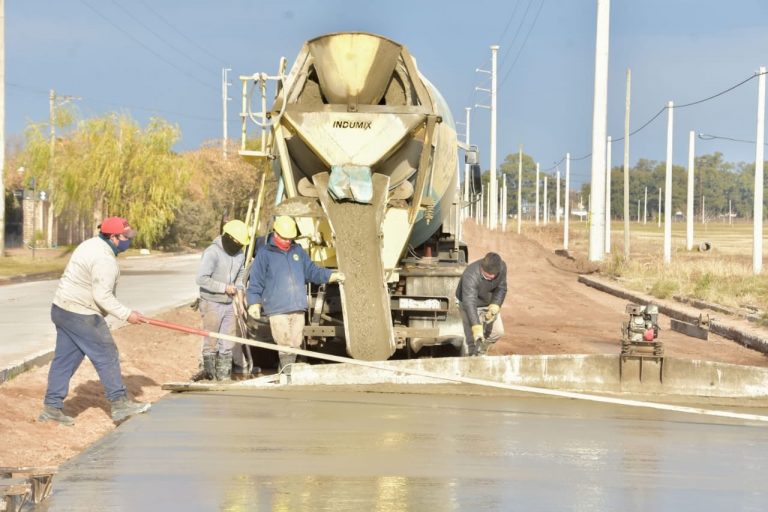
567, 203
730, 214
645, 207
479, 208
658, 219
546, 201
608, 195
689, 206
638, 211
503, 201
537, 193
557, 198
520, 190
599, 121
224, 99
466, 165
757, 234
668, 185
494, 184
626, 168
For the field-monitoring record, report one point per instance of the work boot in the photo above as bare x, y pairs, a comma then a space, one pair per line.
209, 366
224, 367
471, 348
124, 407
286, 362
51, 413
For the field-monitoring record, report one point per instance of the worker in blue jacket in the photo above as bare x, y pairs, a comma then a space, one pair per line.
277, 286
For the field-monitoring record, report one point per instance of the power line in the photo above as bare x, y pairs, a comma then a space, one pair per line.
160, 37
522, 47
517, 33
664, 108
150, 50
218, 60
706, 136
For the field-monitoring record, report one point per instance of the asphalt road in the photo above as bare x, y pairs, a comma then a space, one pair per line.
148, 284
343, 450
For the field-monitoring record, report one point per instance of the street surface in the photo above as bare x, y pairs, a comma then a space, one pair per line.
148, 284
310, 449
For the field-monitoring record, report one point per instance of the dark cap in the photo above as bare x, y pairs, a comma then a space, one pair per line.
117, 226
491, 263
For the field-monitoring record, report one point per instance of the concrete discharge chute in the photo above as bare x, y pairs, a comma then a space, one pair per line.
365, 151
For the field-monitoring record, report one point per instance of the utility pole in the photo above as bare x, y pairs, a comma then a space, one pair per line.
645, 207
2, 128
224, 100
466, 165
520, 190
537, 193
567, 210
757, 233
668, 184
546, 201
494, 184
626, 168
608, 195
557, 198
689, 205
599, 122
658, 220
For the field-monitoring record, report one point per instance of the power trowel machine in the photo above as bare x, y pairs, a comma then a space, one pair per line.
640, 337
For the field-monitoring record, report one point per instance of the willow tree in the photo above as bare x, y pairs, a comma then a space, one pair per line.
109, 165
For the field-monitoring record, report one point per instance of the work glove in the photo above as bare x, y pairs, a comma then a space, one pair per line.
337, 277
254, 311
477, 333
493, 310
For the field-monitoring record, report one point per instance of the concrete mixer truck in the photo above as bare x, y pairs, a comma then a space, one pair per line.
364, 149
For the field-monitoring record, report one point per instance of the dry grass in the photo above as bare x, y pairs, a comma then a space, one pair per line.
23, 262
722, 275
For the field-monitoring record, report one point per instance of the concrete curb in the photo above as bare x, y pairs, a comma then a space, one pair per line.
740, 331
684, 380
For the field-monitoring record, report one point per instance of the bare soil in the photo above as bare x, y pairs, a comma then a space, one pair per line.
546, 312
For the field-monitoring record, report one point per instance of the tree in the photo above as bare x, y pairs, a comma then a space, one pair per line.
109, 166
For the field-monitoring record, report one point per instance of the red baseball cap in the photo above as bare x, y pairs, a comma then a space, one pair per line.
117, 226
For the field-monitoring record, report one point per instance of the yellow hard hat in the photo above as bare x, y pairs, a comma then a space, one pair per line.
237, 230
285, 226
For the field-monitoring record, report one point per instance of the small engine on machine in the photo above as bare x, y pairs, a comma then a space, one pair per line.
640, 337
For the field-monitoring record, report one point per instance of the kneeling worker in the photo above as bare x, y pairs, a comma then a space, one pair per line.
277, 286
480, 293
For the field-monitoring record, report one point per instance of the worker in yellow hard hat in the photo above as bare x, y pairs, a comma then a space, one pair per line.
277, 286
219, 277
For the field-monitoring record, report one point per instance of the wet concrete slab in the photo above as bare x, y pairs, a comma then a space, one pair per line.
315, 449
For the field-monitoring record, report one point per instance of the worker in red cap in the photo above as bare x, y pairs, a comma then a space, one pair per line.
86, 294
481, 292
277, 286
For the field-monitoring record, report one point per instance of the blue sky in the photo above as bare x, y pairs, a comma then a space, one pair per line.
108, 53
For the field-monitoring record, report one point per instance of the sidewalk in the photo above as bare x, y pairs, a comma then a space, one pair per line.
149, 284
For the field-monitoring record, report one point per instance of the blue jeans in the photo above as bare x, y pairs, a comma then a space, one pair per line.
78, 336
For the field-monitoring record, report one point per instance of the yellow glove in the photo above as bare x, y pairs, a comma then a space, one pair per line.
337, 277
493, 310
254, 311
477, 332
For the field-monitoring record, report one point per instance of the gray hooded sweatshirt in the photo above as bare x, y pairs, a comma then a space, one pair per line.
217, 270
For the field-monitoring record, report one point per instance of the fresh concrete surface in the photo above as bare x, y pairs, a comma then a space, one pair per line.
148, 284
340, 450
